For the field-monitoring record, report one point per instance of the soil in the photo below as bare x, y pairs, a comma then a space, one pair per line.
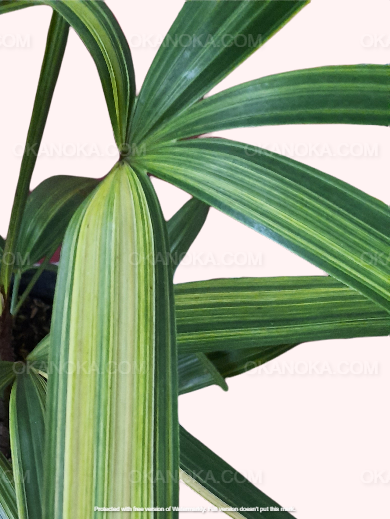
30, 326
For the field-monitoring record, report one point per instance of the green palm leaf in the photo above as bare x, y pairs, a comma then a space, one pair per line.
8, 506
223, 314
205, 43
48, 212
27, 432
184, 227
219, 483
7, 374
354, 94
99, 30
54, 53
120, 415
326, 221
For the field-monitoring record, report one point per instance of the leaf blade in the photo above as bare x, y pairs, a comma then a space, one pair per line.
198, 463
52, 61
48, 211
27, 431
244, 313
351, 94
184, 227
324, 220
183, 72
114, 436
8, 506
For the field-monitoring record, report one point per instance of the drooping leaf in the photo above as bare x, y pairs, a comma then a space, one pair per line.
224, 314
231, 363
352, 94
205, 43
118, 411
184, 227
326, 221
193, 375
48, 212
8, 506
99, 30
27, 432
219, 483
7, 6
54, 53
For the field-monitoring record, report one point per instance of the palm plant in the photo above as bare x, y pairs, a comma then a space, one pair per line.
93, 409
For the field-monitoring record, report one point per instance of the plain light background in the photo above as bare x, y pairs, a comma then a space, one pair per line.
309, 441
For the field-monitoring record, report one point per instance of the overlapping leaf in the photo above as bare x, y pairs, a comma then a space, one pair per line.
354, 94
113, 402
215, 480
8, 506
54, 52
48, 212
7, 374
103, 37
184, 227
27, 433
326, 221
224, 314
205, 43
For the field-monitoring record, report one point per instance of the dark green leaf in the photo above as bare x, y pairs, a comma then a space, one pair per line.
103, 37
218, 482
224, 314
48, 212
184, 227
205, 43
27, 432
353, 94
55, 48
7, 374
8, 506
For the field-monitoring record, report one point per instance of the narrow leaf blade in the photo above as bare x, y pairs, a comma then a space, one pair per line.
206, 473
8, 506
48, 212
243, 313
205, 43
326, 221
184, 227
109, 304
27, 432
352, 94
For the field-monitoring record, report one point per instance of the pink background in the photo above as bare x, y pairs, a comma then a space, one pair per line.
308, 441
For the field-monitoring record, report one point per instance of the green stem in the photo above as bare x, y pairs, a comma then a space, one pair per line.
15, 291
34, 279
55, 48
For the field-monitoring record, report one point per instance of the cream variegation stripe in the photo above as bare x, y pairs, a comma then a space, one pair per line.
106, 371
